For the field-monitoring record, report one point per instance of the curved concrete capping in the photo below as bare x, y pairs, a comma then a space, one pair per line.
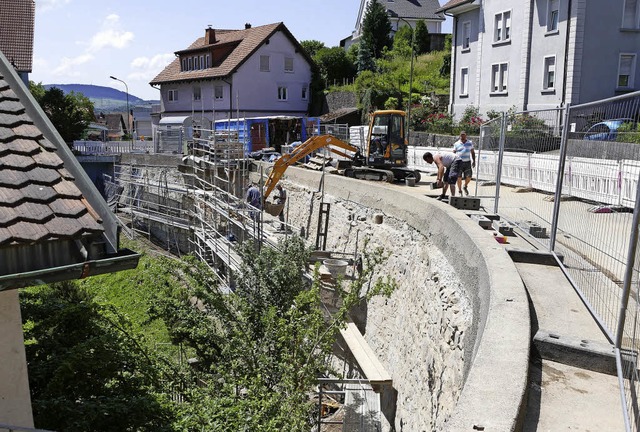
497, 347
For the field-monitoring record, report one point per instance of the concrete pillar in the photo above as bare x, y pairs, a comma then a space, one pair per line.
15, 399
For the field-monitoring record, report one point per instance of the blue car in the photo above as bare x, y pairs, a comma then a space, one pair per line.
606, 130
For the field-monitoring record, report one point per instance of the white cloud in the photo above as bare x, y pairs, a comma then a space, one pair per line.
45, 5
154, 63
40, 63
68, 65
111, 35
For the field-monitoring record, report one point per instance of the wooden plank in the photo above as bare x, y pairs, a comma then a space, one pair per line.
371, 367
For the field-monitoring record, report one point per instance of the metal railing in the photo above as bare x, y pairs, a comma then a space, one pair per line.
583, 163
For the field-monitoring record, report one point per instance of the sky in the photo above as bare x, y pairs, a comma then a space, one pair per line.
85, 41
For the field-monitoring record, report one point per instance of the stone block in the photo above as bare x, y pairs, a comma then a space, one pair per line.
434, 185
484, 222
465, 203
504, 228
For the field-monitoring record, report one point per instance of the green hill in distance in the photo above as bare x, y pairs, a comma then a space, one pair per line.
104, 98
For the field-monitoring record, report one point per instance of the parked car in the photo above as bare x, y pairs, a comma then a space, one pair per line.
606, 130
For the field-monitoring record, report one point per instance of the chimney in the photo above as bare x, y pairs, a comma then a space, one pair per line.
247, 26
209, 36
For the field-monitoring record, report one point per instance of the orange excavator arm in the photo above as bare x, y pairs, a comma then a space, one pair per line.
312, 144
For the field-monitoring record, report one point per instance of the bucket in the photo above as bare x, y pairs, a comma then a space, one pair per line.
410, 181
336, 267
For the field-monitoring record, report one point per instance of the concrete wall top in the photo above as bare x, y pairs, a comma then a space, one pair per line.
497, 350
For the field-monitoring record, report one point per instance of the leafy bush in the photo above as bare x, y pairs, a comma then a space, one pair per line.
629, 133
391, 103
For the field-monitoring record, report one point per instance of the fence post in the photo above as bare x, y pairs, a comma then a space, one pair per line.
558, 194
628, 271
503, 137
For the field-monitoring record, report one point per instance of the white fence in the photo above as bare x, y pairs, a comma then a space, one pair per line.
113, 147
604, 181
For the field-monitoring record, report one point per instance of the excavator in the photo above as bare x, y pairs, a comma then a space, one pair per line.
384, 157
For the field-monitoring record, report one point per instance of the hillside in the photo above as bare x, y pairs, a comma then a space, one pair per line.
103, 98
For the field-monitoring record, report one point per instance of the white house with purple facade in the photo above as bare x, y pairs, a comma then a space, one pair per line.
253, 72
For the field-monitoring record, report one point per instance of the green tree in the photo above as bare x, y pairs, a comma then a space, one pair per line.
423, 39
87, 371
259, 349
365, 58
376, 28
334, 65
402, 38
312, 47
70, 114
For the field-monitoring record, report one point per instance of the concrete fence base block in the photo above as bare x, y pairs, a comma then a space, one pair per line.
581, 353
483, 221
434, 185
504, 228
465, 203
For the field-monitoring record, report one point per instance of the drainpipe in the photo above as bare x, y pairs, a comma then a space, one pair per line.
230, 96
525, 101
453, 60
566, 58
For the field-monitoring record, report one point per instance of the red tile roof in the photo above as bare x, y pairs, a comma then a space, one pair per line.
39, 200
247, 40
16, 32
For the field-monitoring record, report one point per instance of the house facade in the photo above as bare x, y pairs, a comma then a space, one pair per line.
541, 54
257, 71
17, 19
401, 13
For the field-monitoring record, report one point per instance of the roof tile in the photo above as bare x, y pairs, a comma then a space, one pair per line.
7, 93
16, 161
90, 223
10, 196
16, 32
67, 189
66, 174
32, 212
21, 146
46, 144
45, 176
10, 106
64, 227
7, 215
13, 178
68, 207
48, 159
28, 232
27, 131
39, 193
5, 236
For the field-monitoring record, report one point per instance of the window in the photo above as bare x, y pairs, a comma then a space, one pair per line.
464, 82
499, 78
466, 34
218, 92
264, 63
282, 93
288, 64
502, 32
631, 14
190, 63
201, 62
626, 70
305, 92
184, 64
197, 95
552, 15
172, 95
208, 64
196, 63
549, 79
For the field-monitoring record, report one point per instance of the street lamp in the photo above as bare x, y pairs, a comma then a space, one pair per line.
392, 14
128, 112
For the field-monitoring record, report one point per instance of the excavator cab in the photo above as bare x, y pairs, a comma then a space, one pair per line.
386, 140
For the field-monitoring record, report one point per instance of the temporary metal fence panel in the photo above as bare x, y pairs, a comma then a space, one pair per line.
340, 131
597, 235
113, 147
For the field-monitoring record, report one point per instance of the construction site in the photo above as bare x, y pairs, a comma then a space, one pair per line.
492, 322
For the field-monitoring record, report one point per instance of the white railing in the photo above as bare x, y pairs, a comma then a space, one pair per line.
113, 147
605, 181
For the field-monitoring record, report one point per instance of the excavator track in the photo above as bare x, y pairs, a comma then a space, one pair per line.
366, 173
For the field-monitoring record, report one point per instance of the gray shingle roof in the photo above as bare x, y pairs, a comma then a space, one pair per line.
415, 9
39, 200
16, 32
453, 3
